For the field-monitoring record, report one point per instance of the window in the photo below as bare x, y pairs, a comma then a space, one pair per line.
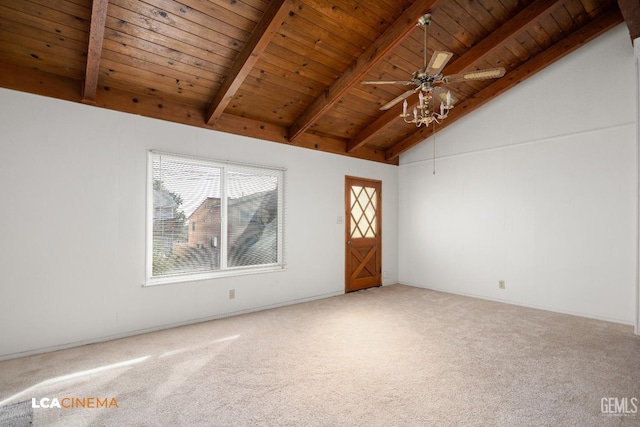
238, 210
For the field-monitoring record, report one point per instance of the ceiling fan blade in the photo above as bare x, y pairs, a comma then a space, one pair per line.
399, 98
386, 82
440, 95
488, 73
438, 61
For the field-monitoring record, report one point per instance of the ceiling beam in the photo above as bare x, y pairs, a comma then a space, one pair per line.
262, 34
94, 52
631, 11
477, 53
32, 80
556, 52
266, 131
391, 38
38, 82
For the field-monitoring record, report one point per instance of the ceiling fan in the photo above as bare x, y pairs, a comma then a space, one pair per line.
428, 82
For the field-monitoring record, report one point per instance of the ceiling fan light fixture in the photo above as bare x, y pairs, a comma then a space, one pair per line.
446, 98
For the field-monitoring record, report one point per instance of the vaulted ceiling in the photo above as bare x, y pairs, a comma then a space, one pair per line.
287, 71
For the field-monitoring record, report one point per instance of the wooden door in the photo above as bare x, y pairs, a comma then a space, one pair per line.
363, 233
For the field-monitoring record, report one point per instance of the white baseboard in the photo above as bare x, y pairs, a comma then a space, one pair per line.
162, 327
520, 304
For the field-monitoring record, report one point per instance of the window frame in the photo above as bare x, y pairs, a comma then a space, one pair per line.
225, 270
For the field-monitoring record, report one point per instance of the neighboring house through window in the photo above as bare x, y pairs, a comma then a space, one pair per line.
211, 219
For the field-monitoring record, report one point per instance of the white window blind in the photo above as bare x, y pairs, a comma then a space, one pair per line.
208, 219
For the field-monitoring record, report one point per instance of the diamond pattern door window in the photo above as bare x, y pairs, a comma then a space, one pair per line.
363, 212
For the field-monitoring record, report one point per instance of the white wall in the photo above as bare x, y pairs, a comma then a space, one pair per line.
72, 228
537, 188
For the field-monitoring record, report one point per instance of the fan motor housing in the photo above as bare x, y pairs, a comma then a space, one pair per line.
421, 78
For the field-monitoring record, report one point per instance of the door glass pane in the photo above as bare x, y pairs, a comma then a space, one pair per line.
363, 212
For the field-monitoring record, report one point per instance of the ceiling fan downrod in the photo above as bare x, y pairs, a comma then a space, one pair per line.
424, 22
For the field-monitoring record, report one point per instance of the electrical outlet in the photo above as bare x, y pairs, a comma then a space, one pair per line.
501, 284
232, 293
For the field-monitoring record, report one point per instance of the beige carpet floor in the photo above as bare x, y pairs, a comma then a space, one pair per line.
391, 356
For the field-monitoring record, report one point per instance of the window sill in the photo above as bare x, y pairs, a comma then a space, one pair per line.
168, 280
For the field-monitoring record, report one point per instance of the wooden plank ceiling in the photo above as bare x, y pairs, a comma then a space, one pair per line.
287, 71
